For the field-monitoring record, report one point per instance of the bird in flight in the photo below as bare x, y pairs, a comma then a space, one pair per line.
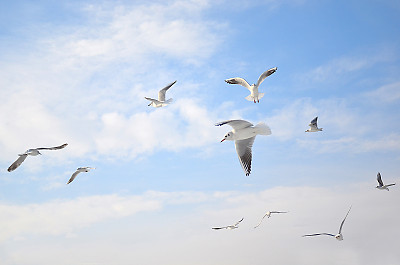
79, 170
313, 126
381, 186
31, 152
244, 134
269, 215
338, 236
229, 226
161, 102
254, 94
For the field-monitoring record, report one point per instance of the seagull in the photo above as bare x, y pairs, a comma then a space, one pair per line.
381, 185
161, 97
313, 126
269, 215
229, 226
244, 134
79, 170
254, 96
339, 236
31, 152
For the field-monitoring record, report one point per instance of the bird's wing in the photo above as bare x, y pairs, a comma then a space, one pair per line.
325, 234
277, 212
243, 149
151, 99
161, 93
314, 122
74, 176
52, 148
379, 178
341, 225
238, 222
17, 162
216, 228
388, 185
236, 124
238, 81
265, 75
261, 220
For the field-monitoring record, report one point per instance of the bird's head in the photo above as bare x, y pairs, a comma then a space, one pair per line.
339, 237
228, 136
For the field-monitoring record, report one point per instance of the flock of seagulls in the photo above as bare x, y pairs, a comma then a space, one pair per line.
243, 133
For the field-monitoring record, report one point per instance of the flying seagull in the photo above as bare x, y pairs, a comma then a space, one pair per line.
161, 102
254, 95
244, 134
31, 152
229, 226
79, 170
381, 185
313, 126
269, 215
339, 236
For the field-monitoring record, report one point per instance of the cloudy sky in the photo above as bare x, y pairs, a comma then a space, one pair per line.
77, 72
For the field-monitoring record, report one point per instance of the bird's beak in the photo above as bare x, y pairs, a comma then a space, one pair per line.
222, 140
149, 105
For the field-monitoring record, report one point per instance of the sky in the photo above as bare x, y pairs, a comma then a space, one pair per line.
77, 72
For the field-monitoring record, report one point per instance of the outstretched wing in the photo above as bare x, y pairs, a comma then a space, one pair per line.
217, 228
313, 123
390, 184
238, 222
277, 212
238, 81
73, 176
17, 162
379, 178
320, 234
243, 149
52, 148
265, 75
261, 220
341, 225
161, 93
236, 124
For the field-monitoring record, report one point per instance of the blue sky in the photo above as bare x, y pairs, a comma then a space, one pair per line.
77, 72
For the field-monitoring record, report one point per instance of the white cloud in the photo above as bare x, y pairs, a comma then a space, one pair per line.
183, 233
389, 93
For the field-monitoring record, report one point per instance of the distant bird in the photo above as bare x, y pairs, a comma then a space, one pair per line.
269, 215
31, 152
381, 185
79, 170
161, 97
313, 126
244, 134
339, 236
229, 226
254, 95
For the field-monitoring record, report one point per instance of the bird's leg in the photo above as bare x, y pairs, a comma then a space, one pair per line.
254, 100
258, 100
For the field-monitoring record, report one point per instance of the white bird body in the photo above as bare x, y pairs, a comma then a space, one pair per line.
230, 227
79, 170
161, 102
382, 186
339, 235
267, 214
31, 152
244, 134
254, 94
314, 126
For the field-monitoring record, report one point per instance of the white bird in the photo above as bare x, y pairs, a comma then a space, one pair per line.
161, 102
269, 215
229, 226
339, 236
244, 134
313, 126
79, 170
254, 95
31, 152
381, 185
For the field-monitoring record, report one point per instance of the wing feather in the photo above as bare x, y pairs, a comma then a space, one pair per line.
265, 75
17, 162
236, 124
243, 149
52, 148
238, 81
161, 93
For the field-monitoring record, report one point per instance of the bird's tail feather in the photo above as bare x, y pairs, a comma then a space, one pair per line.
249, 97
260, 95
169, 101
263, 129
